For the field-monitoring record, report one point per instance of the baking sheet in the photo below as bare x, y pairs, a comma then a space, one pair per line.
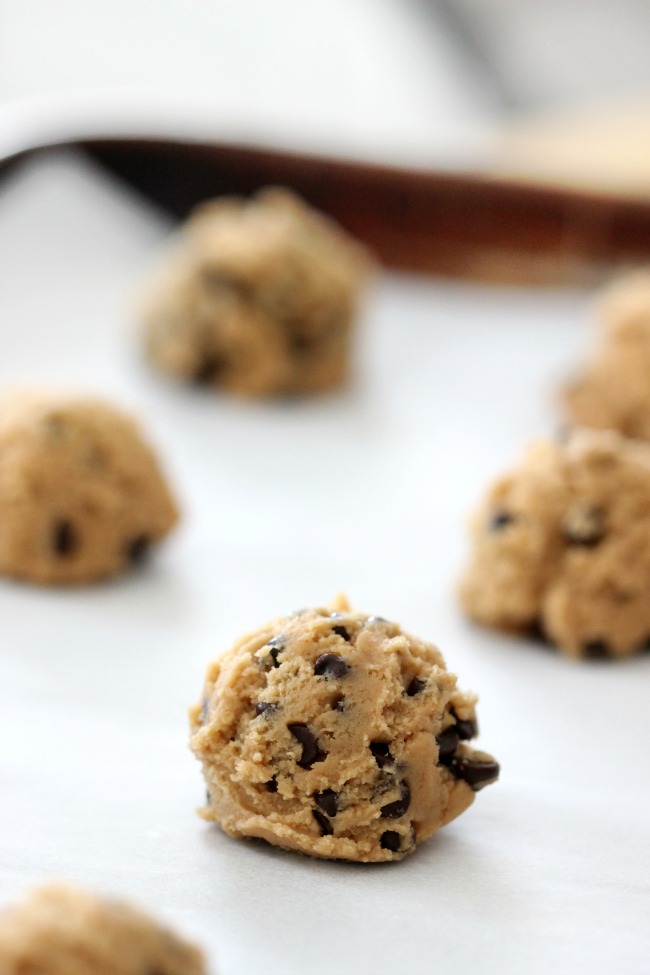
284, 505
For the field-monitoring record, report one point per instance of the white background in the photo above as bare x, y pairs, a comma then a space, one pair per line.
285, 504
423, 80
377, 78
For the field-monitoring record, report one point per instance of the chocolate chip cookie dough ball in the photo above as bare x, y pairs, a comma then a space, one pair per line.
562, 545
614, 390
59, 930
258, 297
81, 493
338, 735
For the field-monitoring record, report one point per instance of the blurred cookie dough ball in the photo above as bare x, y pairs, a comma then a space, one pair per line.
81, 493
338, 735
258, 297
60, 930
614, 388
561, 545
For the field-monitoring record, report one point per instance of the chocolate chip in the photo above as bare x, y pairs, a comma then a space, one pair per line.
477, 772
277, 642
396, 809
381, 753
272, 785
311, 752
466, 728
622, 596
303, 344
64, 538
584, 526
263, 707
535, 631
138, 549
209, 369
326, 828
331, 665
338, 703
328, 801
341, 631
447, 742
596, 650
416, 686
277, 645
390, 840
499, 520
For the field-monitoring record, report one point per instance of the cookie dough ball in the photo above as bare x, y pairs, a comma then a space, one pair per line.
81, 493
338, 735
258, 298
59, 930
614, 390
562, 545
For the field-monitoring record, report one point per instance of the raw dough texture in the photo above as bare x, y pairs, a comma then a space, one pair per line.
561, 546
258, 297
59, 930
81, 494
614, 390
338, 735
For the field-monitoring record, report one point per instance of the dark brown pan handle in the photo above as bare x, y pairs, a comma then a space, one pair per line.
435, 222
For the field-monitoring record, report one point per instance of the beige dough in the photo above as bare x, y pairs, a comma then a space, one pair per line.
614, 389
81, 494
338, 735
258, 298
561, 545
59, 930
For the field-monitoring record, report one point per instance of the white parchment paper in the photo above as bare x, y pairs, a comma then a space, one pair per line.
285, 504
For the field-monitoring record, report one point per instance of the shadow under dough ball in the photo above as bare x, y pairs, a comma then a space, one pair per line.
561, 546
257, 297
61, 930
338, 735
81, 493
